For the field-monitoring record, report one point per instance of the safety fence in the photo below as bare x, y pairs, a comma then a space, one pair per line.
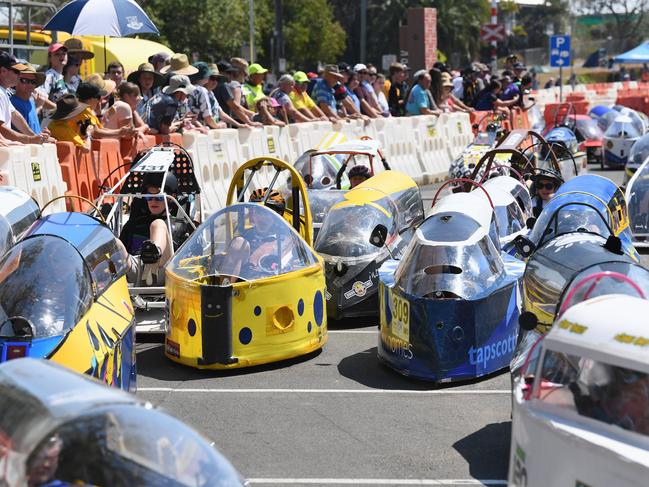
423, 147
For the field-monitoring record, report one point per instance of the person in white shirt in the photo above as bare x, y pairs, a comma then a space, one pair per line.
9, 71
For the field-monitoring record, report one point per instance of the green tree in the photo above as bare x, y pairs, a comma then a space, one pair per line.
310, 33
213, 29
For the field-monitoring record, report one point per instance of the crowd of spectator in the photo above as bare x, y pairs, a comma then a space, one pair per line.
167, 94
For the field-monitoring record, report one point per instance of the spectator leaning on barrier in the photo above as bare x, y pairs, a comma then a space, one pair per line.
123, 113
488, 100
54, 86
199, 100
255, 97
149, 82
352, 84
398, 89
163, 108
211, 85
323, 92
301, 99
23, 101
230, 96
10, 69
379, 83
71, 121
285, 86
106, 87
365, 93
420, 102
91, 94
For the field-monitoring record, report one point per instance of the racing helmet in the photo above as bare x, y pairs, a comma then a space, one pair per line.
360, 171
550, 174
275, 200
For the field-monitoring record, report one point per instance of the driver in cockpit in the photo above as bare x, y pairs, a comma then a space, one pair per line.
357, 175
545, 184
254, 250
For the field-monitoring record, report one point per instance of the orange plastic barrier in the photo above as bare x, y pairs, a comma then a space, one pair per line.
479, 121
176, 138
77, 170
519, 119
108, 163
557, 111
130, 147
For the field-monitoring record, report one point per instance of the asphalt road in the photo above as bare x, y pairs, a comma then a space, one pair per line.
339, 417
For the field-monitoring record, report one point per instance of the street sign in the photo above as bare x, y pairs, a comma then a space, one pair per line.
492, 32
560, 51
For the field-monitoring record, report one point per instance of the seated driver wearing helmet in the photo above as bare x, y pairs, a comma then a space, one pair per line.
545, 184
146, 236
253, 251
357, 175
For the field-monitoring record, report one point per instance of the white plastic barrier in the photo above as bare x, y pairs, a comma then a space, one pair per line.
432, 147
46, 182
254, 143
197, 145
458, 131
15, 169
399, 146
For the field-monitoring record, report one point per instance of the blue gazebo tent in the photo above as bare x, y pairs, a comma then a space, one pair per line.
639, 54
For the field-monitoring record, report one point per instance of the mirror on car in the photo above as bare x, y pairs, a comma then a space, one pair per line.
524, 246
529, 223
379, 235
527, 321
614, 244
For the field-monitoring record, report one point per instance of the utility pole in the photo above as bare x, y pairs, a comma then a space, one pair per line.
251, 40
278, 39
494, 43
363, 29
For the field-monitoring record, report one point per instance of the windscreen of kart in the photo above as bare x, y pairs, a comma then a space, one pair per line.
575, 216
346, 230
606, 284
639, 152
636, 119
510, 219
44, 280
6, 235
321, 202
124, 445
639, 203
247, 241
450, 253
19, 209
622, 129
613, 395
319, 170
589, 129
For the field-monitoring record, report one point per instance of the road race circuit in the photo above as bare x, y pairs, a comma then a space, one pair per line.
338, 416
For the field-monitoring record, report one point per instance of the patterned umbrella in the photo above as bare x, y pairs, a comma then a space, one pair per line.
113, 18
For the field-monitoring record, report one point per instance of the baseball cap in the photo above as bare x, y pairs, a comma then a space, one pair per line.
55, 47
255, 68
9, 61
300, 77
519, 66
311, 75
360, 67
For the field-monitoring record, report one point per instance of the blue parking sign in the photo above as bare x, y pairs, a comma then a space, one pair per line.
560, 51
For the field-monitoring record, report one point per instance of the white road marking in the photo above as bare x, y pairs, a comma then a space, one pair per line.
351, 332
378, 481
329, 391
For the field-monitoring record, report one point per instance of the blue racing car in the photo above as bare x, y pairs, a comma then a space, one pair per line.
449, 308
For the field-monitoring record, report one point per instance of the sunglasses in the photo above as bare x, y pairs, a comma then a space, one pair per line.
155, 197
548, 186
27, 81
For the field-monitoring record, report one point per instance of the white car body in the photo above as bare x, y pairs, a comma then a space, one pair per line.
552, 442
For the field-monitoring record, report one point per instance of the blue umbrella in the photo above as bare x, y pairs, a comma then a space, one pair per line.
113, 18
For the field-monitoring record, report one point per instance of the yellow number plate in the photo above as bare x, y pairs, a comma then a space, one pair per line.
400, 318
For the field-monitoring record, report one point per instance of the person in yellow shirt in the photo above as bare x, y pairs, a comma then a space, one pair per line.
74, 121
302, 101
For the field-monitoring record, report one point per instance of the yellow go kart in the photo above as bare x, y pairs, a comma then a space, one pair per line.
246, 288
